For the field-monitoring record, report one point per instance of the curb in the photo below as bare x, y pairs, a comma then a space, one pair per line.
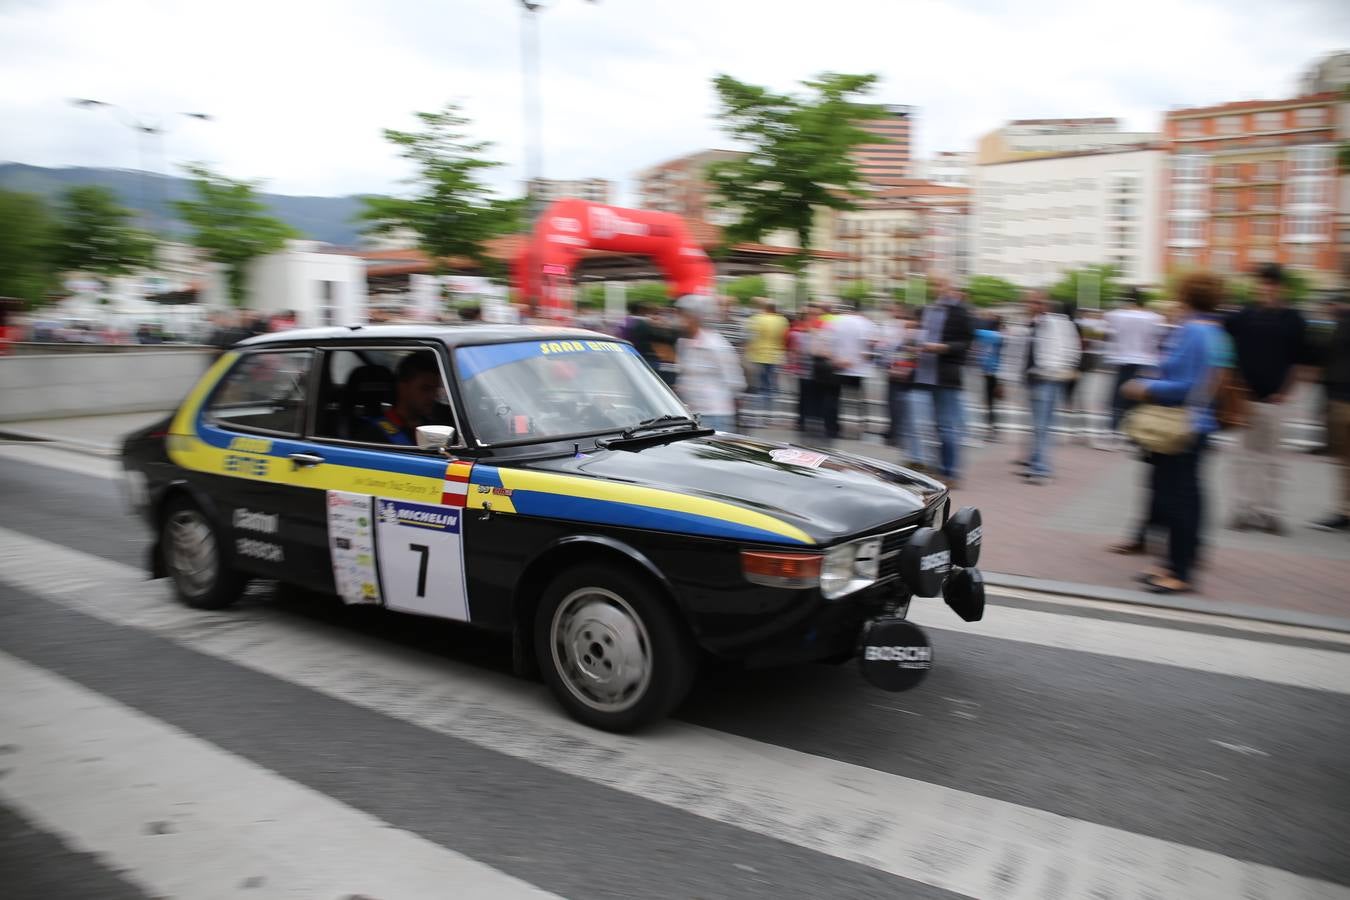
1191, 604
75, 445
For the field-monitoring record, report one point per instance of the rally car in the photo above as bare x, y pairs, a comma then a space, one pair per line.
546, 483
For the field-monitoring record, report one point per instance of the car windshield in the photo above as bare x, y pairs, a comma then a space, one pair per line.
544, 390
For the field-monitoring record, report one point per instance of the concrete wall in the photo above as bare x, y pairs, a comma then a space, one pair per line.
58, 385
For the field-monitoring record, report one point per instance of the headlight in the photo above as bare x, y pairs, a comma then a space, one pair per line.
850, 567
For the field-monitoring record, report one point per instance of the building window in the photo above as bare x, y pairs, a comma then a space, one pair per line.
1307, 192
1186, 231
1306, 227
1311, 160
1225, 229
1189, 169
1225, 261
1303, 256
1189, 128
1261, 255
1226, 201
1230, 125
1263, 227
1311, 116
1264, 198
1269, 121
1226, 174
1268, 170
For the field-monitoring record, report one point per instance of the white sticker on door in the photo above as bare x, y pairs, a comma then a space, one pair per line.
421, 558
351, 544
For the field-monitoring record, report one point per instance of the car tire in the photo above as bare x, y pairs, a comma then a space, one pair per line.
611, 648
193, 550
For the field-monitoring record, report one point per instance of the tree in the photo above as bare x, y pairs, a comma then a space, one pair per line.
988, 290
1104, 284
747, 288
452, 211
27, 244
96, 234
650, 292
232, 225
855, 291
800, 159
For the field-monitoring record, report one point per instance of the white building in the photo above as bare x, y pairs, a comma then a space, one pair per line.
1024, 138
546, 190
1330, 73
1032, 219
950, 167
321, 288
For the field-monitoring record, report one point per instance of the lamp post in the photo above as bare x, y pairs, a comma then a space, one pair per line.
148, 132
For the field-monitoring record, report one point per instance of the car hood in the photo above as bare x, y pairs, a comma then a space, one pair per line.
825, 493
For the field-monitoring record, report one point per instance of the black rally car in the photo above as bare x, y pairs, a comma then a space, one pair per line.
552, 486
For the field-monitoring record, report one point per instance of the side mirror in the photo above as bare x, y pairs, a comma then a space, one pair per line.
434, 437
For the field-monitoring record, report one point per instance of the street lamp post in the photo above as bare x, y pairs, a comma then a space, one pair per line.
148, 132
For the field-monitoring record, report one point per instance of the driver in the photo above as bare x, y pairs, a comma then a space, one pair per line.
416, 390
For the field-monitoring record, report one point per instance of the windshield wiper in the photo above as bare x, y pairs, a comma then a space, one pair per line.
658, 422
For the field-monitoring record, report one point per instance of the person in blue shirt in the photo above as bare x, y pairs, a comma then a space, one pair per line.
988, 348
1187, 376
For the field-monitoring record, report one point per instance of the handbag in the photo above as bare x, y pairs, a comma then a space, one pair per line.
1160, 429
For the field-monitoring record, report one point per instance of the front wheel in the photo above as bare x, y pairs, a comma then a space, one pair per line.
611, 648
195, 559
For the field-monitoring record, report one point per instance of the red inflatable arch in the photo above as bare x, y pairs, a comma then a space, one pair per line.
569, 227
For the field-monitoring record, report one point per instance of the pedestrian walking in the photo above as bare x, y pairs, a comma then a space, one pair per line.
852, 338
1268, 337
1336, 378
989, 357
710, 373
1133, 334
896, 360
766, 352
946, 335
1052, 353
1187, 377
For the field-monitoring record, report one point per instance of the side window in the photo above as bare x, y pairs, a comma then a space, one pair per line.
380, 395
264, 391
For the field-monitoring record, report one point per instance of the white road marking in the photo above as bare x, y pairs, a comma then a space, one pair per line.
1239, 748
1308, 667
928, 833
64, 460
185, 819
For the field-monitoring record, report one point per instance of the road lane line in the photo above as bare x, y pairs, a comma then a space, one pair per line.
913, 829
186, 819
1308, 667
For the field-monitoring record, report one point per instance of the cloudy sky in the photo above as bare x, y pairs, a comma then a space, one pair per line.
301, 88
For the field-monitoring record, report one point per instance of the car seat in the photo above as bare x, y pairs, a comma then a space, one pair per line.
369, 389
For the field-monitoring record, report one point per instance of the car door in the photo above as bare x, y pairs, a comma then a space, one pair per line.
385, 519
252, 420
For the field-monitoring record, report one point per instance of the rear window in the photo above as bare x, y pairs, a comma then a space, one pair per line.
265, 391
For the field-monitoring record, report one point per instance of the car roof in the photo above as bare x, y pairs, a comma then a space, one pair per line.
451, 335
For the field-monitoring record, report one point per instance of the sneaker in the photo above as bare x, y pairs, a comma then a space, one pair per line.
1332, 523
1036, 479
1273, 526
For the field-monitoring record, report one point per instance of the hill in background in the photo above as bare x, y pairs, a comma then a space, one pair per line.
327, 219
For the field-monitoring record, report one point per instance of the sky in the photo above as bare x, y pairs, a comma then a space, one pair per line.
300, 90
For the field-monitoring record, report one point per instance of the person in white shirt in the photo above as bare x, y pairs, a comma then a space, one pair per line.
1049, 360
1133, 337
710, 374
852, 338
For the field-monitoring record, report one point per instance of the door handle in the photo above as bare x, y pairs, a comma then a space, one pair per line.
305, 459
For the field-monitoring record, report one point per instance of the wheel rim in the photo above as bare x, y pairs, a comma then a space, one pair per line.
601, 649
192, 554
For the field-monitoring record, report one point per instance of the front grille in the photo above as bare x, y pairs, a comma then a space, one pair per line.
892, 542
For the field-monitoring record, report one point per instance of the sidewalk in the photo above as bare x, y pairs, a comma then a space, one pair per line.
1053, 538
1059, 532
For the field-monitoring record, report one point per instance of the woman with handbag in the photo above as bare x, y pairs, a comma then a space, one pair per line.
1174, 420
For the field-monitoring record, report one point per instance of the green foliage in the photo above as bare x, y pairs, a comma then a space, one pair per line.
855, 291
1241, 289
653, 292
97, 235
232, 225
1107, 285
747, 288
800, 159
590, 296
27, 244
452, 210
988, 290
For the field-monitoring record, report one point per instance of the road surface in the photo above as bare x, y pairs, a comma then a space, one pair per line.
293, 747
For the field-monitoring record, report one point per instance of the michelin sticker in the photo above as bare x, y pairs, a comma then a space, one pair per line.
351, 543
421, 558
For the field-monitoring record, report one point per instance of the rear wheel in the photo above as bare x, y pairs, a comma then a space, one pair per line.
194, 558
611, 649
